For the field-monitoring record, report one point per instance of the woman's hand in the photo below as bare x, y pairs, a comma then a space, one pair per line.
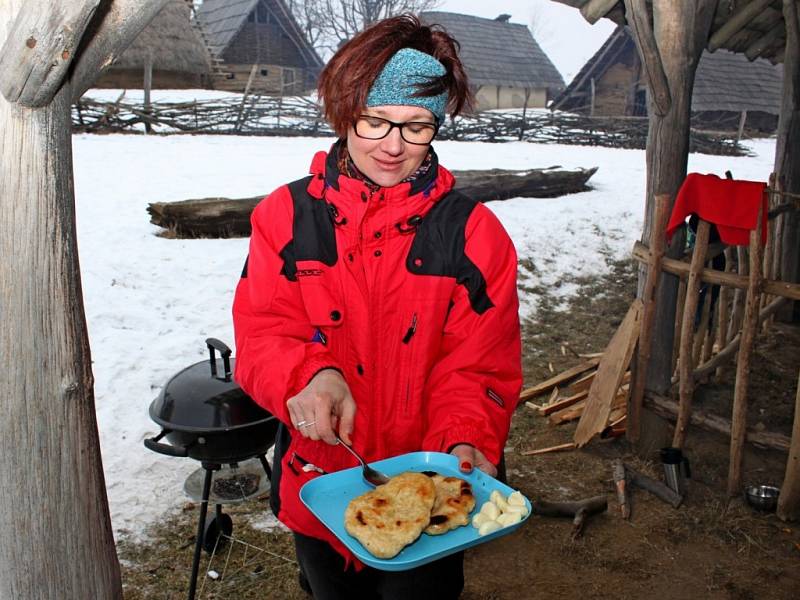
322, 407
469, 457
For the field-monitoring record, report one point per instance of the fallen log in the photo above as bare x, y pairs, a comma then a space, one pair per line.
579, 511
226, 217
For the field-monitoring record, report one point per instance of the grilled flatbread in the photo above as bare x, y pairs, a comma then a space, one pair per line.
393, 515
454, 501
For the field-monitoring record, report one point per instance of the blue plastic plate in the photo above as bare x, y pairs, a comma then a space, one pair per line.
327, 497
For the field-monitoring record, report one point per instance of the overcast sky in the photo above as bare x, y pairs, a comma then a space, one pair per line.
561, 31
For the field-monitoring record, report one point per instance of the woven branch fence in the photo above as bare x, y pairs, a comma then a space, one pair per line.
299, 116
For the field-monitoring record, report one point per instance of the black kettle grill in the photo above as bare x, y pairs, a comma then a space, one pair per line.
205, 415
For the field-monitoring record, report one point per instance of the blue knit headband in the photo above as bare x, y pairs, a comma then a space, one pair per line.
400, 78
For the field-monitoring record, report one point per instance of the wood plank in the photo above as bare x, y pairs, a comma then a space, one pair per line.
610, 372
583, 383
558, 448
546, 386
563, 403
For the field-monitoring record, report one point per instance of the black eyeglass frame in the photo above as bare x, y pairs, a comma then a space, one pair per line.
393, 124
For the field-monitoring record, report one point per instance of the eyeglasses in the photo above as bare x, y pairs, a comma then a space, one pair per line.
419, 133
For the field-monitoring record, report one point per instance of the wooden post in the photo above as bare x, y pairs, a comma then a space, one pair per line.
678, 321
685, 366
680, 30
742, 121
148, 84
657, 246
738, 296
592, 89
789, 499
787, 162
749, 326
58, 541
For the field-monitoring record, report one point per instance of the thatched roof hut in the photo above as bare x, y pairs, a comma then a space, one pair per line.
502, 59
178, 55
257, 44
727, 87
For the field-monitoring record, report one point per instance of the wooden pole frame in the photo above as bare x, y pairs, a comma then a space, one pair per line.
685, 366
749, 326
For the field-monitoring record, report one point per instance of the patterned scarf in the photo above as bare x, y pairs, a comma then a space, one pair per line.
348, 167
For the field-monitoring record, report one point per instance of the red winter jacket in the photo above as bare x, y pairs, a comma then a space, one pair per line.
409, 291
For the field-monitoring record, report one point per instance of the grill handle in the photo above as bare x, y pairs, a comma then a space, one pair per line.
154, 445
225, 353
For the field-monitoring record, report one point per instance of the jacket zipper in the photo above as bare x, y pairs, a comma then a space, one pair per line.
411, 330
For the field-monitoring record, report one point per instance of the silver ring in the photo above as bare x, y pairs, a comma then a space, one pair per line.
304, 424
301, 424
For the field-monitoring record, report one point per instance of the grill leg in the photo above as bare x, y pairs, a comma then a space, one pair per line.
198, 546
265, 464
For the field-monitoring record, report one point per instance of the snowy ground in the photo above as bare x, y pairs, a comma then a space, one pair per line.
151, 301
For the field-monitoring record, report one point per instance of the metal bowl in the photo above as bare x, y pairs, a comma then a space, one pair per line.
762, 497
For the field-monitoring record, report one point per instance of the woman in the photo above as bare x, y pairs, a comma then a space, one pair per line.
377, 303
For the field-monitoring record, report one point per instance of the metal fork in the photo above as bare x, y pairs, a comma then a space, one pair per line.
371, 476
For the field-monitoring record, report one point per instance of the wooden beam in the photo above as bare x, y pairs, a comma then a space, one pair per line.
680, 268
749, 326
736, 22
668, 409
108, 36
754, 50
657, 83
40, 47
594, 10
685, 365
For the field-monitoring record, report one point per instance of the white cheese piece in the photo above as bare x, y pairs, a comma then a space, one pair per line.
489, 527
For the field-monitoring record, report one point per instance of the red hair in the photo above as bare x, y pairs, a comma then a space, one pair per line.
345, 81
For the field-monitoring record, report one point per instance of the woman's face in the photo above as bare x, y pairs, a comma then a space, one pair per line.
389, 160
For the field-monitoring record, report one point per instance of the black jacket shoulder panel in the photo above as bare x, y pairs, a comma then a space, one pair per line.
313, 237
439, 248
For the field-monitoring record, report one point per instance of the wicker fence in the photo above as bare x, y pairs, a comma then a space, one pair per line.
299, 116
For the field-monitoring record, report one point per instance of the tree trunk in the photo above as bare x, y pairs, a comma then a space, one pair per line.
787, 162
680, 30
58, 541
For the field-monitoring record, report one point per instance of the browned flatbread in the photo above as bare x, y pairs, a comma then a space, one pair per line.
388, 518
454, 501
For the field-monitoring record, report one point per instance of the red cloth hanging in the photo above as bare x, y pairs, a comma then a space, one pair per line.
731, 204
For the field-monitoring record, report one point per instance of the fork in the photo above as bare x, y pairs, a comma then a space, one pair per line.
371, 476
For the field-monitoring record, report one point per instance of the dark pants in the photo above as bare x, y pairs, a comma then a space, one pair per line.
322, 575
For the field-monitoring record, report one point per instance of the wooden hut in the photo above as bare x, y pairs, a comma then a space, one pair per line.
503, 61
257, 45
170, 47
730, 92
670, 38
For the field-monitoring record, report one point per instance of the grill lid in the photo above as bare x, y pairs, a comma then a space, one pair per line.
204, 398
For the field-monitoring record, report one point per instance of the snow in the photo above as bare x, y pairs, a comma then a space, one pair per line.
151, 302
